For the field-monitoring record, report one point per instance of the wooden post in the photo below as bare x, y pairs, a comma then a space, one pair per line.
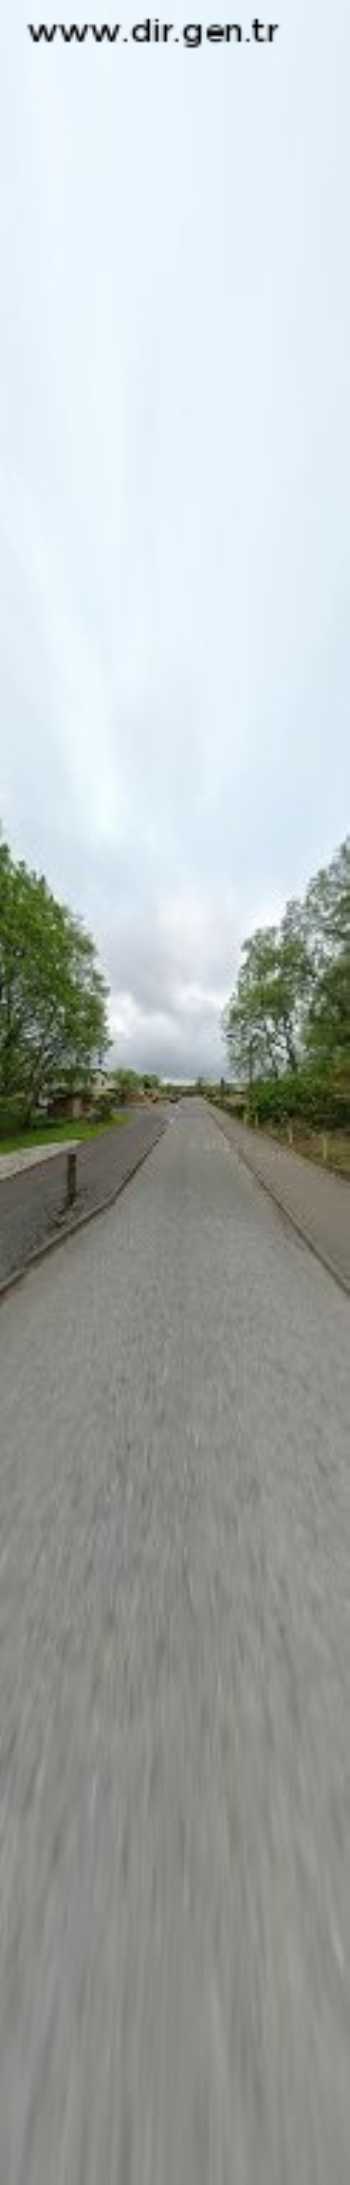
290, 1133
71, 1178
324, 1146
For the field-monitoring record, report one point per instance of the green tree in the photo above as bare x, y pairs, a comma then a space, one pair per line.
292, 995
53, 1019
261, 1023
126, 1082
244, 1045
327, 919
327, 908
328, 1027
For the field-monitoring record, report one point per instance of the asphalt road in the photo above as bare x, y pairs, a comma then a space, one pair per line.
33, 1203
175, 1647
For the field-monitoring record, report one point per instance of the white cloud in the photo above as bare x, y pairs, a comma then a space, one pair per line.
174, 495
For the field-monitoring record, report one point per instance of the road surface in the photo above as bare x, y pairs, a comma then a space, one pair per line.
317, 1201
175, 1643
33, 1202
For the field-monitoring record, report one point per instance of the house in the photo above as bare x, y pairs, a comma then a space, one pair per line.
70, 1103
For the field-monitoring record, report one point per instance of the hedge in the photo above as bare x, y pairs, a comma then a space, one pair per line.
303, 1096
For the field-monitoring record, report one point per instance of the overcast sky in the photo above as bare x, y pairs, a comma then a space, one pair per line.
175, 493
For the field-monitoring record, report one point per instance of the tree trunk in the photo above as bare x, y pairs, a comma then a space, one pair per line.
292, 1060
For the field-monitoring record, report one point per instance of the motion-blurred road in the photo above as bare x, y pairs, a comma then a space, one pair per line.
175, 1694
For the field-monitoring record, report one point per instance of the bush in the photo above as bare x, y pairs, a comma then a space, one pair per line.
104, 1108
305, 1096
14, 1116
237, 1107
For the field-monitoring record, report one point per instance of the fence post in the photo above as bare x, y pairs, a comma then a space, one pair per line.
290, 1134
71, 1178
324, 1146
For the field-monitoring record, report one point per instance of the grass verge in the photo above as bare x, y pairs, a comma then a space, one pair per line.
54, 1134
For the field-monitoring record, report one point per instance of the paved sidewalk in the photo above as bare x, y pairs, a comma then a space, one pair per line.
33, 1202
13, 1164
317, 1203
